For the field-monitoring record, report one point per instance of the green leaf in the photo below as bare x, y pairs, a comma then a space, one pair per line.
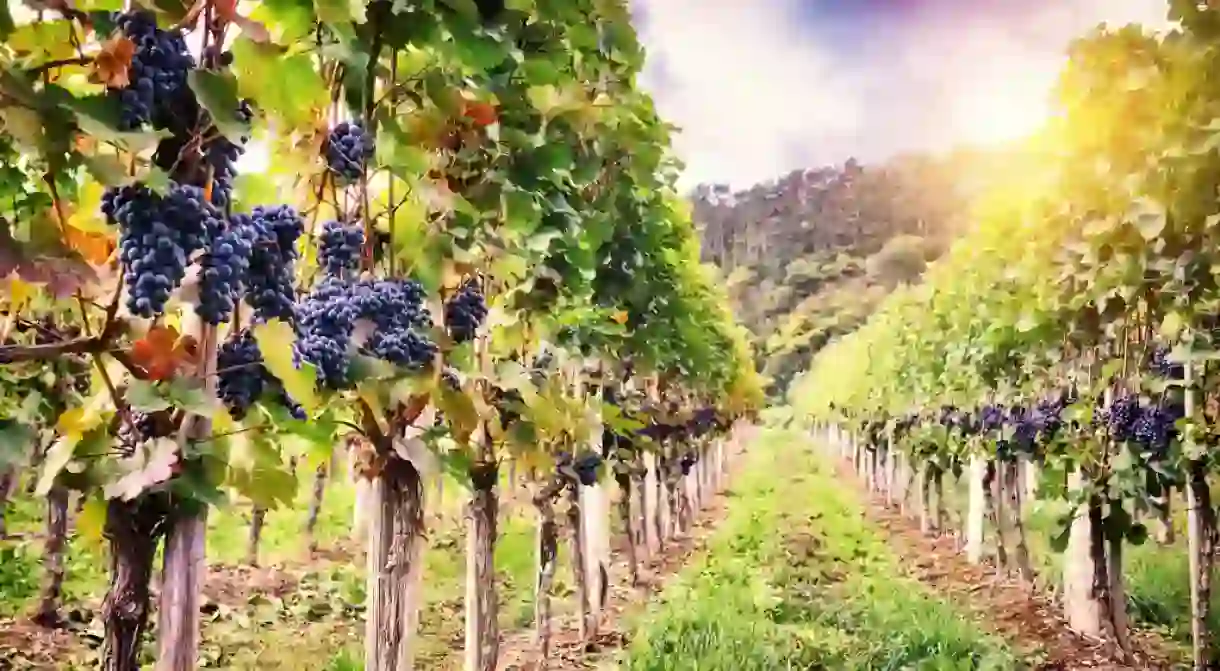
1150, 220
275, 340
146, 397
284, 85
217, 92
99, 116
57, 457
91, 521
108, 170
340, 11
16, 442
1171, 325
189, 394
6, 22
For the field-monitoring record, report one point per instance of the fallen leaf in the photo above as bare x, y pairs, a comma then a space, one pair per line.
159, 352
112, 65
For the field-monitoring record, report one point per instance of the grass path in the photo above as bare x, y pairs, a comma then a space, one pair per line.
806, 572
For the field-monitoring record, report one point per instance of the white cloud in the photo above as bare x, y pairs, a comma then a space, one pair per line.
758, 90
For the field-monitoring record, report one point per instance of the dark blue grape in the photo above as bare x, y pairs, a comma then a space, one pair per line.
241, 376
1160, 364
157, 236
224, 269
1155, 427
158, 70
221, 154
465, 312
339, 248
348, 150
586, 468
1120, 417
272, 262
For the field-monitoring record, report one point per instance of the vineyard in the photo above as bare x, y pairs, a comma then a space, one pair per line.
374, 335
344, 284
1048, 393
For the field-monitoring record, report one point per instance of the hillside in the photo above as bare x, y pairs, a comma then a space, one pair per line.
808, 256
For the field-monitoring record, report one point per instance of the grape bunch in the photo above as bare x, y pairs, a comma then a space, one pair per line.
224, 269
450, 379
242, 378
991, 418
687, 462
348, 149
1121, 416
1155, 427
157, 236
222, 154
1048, 417
586, 466
1160, 364
326, 320
137, 427
158, 70
339, 248
269, 288
465, 312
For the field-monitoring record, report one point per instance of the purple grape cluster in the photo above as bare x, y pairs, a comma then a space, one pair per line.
1156, 426
137, 427
225, 267
339, 248
272, 262
1121, 416
222, 154
1160, 364
326, 320
242, 378
586, 466
348, 150
687, 462
157, 236
465, 312
158, 71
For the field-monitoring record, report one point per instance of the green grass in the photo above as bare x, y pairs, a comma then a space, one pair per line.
317, 625
1157, 577
795, 578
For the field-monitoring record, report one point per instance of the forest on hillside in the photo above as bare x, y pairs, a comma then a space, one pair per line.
808, 256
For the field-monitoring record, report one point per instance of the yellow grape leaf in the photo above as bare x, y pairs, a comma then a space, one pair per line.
87, 216
58, 456
77, 421
18, 292
620, 316
275, 340
111, 65
91, 521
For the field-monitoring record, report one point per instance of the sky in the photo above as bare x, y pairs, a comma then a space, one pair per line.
762, 87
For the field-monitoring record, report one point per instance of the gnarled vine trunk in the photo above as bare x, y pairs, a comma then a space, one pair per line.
548, 556
395, 553
482, 635
579, 561
624, 512
258, 517
315, 502
133, 530
53, 557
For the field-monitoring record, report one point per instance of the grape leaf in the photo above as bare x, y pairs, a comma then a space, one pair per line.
151, 464
275, 340
217, 92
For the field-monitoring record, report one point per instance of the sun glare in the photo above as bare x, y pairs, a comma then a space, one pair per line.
1000, 114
